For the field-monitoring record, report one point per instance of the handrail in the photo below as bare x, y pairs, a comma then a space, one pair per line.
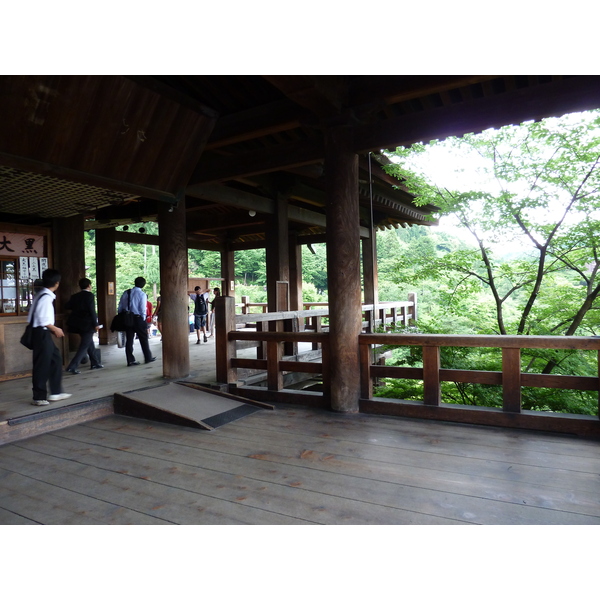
510, 378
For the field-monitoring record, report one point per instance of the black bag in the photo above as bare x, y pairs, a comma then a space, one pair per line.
27, 337
125, 319
200, 302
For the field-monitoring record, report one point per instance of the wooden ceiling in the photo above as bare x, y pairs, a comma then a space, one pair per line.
112, 148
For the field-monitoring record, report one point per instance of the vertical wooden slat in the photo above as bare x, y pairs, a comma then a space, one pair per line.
412, 297
274, 375
366, 382
432, 393
511, 379
225, 348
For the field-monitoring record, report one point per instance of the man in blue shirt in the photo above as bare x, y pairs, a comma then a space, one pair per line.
134, 300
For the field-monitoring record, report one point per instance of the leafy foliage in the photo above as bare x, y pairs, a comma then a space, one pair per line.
542, 189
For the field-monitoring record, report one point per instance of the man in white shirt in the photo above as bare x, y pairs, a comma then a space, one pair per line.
47, 361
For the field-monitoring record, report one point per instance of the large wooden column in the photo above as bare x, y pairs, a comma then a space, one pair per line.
278, 259
371, 296
343, 269
173, 286
106, 283
228, 271
69, 259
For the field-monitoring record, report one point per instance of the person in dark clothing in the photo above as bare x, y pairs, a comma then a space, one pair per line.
84, 321
200, 300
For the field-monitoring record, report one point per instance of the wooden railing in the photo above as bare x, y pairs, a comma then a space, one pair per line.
278, 364
511, 378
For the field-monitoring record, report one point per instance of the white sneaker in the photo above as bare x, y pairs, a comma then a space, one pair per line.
57, 397
40, 402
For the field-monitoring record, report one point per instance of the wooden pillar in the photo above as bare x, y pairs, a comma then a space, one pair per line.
370, 278
173, 285
225, 349
295, 254
69, 259
228, 271
106, 283
277, 255
343, 269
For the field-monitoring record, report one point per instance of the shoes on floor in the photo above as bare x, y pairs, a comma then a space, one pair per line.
74, 371
151, 360
132, 364
198, 341
97, 367
57, 397
40, 402
205, 339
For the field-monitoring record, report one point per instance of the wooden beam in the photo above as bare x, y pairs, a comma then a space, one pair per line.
323, 95
214, 169
256, 122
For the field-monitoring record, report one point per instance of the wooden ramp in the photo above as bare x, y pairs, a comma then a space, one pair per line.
187, 404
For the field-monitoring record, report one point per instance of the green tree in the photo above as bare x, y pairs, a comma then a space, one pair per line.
543, 190
547, 194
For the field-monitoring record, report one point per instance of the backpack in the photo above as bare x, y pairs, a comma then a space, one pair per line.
201, 308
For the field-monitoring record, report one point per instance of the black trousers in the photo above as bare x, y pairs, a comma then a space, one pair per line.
86, 344
47, 365
139, 327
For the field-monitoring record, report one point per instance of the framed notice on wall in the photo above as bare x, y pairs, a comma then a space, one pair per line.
43, 264
111, 288
34, 268
23, 267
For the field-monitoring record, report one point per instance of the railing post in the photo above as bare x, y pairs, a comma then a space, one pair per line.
366, 382
318, 328
274, 375
412, 297
511, 380
224, 348
432, 393
245, 301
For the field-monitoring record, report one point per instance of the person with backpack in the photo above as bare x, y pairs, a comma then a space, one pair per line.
200, 299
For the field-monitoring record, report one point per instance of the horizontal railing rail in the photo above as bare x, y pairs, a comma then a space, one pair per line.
511, 377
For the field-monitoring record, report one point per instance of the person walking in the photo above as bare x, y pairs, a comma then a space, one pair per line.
200, 300
47, 360
84, 321
134, 301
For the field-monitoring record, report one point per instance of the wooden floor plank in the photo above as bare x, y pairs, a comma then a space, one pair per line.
490, 502
53, 505
527, 485
299, 465
176, 506
217, 481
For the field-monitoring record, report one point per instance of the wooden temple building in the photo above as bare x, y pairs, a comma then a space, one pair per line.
226, 163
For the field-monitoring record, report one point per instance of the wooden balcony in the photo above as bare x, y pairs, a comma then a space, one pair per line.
299, 465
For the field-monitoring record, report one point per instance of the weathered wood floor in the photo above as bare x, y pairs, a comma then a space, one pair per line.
299, 466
